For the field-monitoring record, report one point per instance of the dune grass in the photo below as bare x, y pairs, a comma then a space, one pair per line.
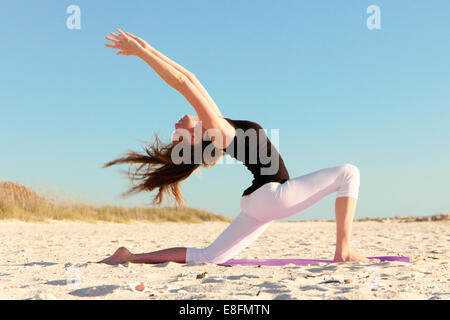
22, 203
18, 202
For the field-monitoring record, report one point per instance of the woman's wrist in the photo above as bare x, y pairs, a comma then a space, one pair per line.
145, 50
142, 52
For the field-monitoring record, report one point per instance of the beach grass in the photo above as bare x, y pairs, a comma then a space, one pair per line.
18, 202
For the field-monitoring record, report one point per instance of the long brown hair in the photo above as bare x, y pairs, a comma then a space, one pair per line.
154, 169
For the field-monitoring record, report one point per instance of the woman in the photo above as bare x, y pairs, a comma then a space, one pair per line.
272, 195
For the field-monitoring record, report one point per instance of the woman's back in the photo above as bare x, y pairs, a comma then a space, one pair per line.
252, 147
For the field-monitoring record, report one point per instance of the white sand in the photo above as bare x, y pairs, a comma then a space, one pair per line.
35, 260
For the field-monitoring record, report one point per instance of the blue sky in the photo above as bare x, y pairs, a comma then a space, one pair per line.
338, 92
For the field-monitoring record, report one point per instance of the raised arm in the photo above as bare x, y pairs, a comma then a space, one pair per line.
180, 79
184, 71
128, 46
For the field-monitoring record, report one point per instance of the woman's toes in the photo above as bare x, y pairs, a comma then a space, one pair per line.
351, 257
122, 255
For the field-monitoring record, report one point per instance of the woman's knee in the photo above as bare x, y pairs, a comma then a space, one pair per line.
349, 187
350, 171
205, 255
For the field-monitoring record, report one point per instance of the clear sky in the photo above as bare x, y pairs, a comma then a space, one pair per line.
338, 92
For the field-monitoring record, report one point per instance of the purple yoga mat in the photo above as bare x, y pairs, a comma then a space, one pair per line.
298, 262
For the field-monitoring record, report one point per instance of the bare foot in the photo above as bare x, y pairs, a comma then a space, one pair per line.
121, 256
352, 257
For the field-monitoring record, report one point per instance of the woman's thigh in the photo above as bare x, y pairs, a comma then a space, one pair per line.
275, 201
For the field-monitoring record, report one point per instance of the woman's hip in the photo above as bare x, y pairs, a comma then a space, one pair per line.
261, 203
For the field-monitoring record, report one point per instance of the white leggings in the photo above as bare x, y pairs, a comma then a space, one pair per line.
274, 201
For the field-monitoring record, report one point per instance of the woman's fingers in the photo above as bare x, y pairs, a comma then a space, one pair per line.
139, 40
116, 41
132, 35
111, 39
124, 53
115, 36
126, 44
121, 33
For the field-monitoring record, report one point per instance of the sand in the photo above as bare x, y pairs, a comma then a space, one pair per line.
49, 261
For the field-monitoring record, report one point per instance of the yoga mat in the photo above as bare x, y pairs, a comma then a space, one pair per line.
298, 262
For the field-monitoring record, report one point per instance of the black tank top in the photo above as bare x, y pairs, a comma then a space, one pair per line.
251, 146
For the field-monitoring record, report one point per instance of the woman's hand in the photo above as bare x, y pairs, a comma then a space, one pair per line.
126, 43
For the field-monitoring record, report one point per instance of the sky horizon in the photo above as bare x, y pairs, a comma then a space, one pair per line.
338, 92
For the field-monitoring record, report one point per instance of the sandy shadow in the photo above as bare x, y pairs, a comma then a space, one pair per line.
241, 276
344, 290
41, 263
313, 287
213, 280
57, 282
273, 287
31, 264
96, 291
284, 297
323, 268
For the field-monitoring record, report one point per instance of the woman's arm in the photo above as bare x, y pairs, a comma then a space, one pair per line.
209, 116
186, 72
128, 46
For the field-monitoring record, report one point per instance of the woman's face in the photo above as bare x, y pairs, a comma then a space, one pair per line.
186, 123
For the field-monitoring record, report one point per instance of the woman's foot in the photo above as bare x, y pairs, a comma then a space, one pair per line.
352, 257
121, 256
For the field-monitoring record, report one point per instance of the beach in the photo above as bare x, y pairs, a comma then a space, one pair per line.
52, 261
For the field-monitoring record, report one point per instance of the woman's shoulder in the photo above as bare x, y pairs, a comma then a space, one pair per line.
244, 124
